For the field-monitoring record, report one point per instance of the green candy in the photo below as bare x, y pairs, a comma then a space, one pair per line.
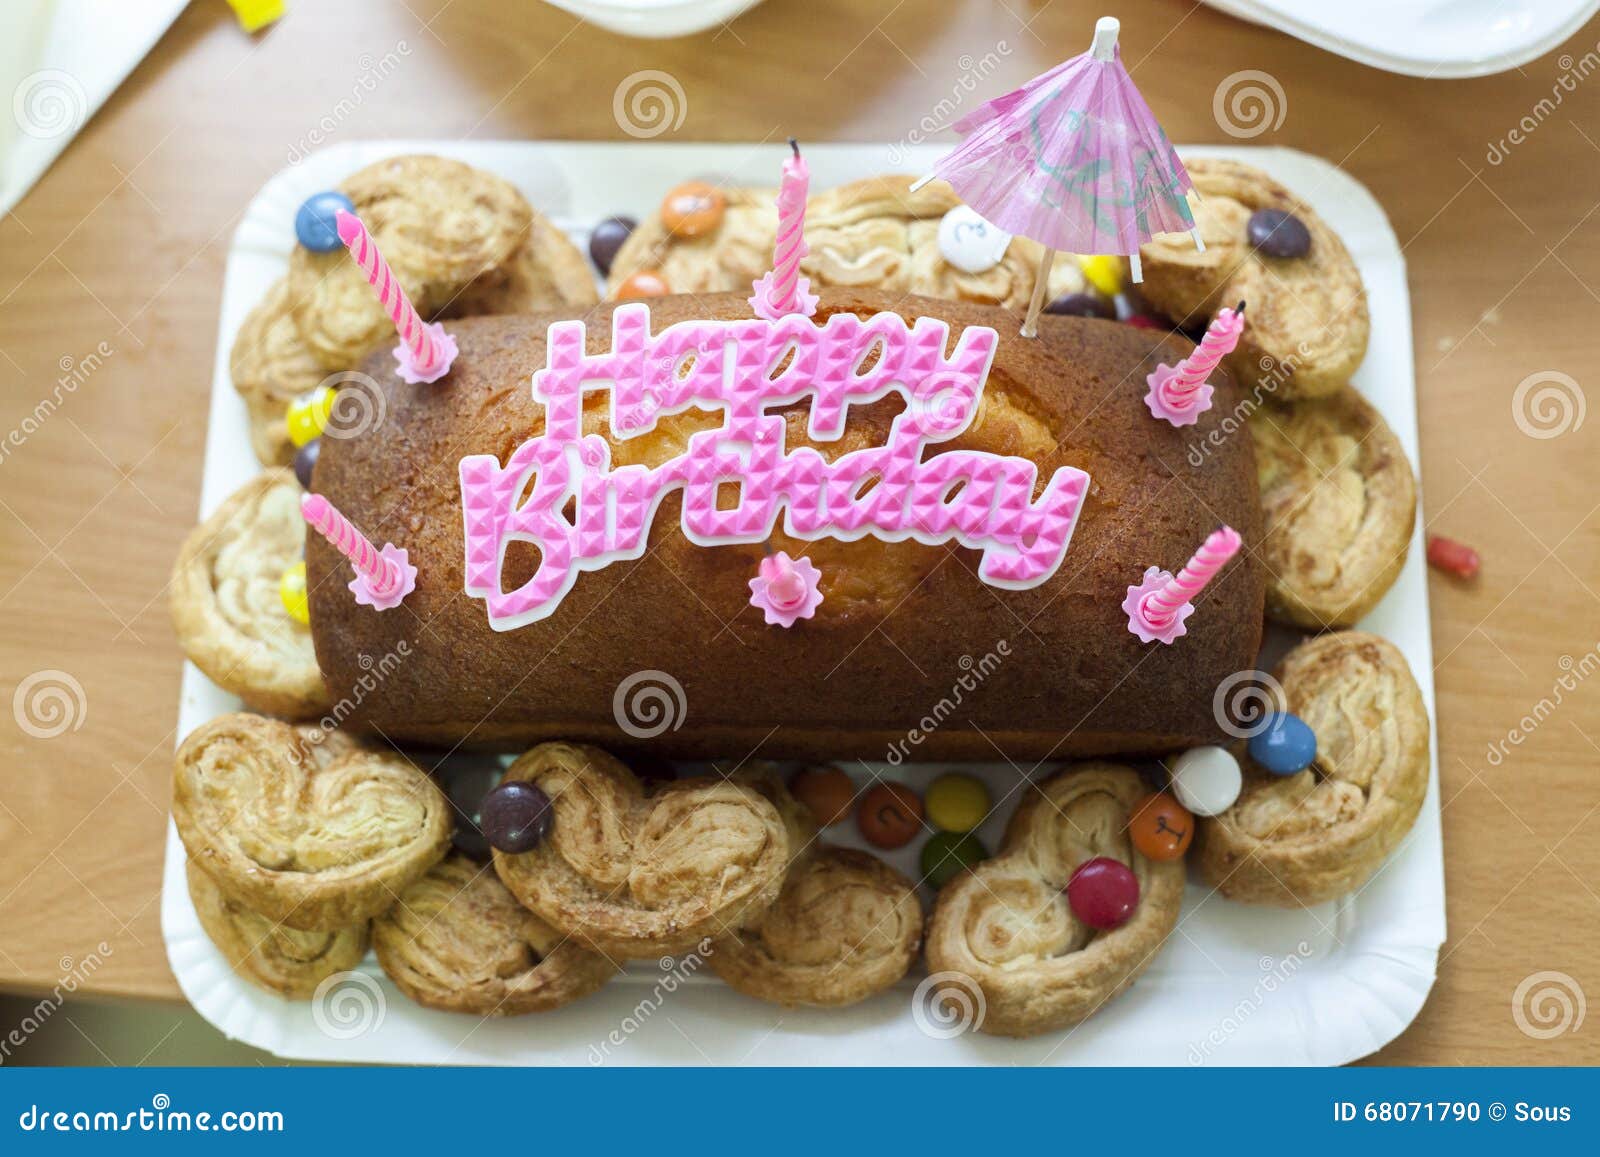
947, 854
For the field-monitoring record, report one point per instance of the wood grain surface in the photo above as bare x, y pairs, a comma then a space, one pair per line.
109, 277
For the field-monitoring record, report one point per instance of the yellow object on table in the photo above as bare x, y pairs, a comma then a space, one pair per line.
254, 15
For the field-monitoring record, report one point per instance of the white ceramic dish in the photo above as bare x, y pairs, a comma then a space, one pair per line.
1237, 985
655, 19
1427, 38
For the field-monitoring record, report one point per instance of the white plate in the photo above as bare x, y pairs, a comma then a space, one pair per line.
1427, 38
1237, 985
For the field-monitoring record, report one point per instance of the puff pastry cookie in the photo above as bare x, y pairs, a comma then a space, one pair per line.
546, 272
636, 875
730, 257
457, 940
1293, 841
279, 959
876, 232
309, 828
271, 366
1306, 320
226, 609
1339, 500
1005, 927
439, 224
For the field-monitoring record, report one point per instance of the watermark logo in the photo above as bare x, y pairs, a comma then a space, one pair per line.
649, 703
1547, 1005
1249, 103
359, 405
948, 1004
348, 1005
49, 103
675, 972
648, 103
974, 672
49, 703
1244, 702
1548, 404
972, 73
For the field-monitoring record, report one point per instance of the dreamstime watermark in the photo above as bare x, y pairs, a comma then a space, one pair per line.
947, 1004
373, 71
1244, 703
1573, 674
973, 674
1275, 973
347, 1005
649, 703
1248, 103
1573, 73
73, 973
648, 103
49, 103
75, 371
675, 972
373, 674
49, 703
973, 71
359, 406
1548, 404
1548, 1004
1274, 372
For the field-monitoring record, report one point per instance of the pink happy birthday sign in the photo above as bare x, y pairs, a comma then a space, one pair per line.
981, 500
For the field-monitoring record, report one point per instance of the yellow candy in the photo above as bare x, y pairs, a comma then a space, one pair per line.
308, 415
254, 15
956, 803
1104, 273
292, 590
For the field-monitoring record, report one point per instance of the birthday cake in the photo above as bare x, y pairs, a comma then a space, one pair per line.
792, 512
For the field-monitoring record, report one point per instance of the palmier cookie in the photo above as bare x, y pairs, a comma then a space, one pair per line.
226, 606
1339, 500
729, 256
457, 940
438, 223
1306, 325
309, 828
1297, 840
878, 233
633, 875
546, 272
270, 955
1006, 930
271, 366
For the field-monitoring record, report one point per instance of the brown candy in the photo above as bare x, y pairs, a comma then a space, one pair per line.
693, 209
826, 792
890, 815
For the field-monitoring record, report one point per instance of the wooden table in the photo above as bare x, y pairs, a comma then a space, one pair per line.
109, 277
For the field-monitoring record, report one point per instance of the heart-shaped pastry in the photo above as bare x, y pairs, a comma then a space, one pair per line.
225, 601
309, 828
1306, 324
271, 366
457, 940
1297, 840
272, 956
637, 875
1003, 940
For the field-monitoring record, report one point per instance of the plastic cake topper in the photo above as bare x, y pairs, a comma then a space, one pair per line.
981, 500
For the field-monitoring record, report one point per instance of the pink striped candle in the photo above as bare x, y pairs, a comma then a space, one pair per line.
383, 577
425, 352
1179, 394
1158, 606
783, 291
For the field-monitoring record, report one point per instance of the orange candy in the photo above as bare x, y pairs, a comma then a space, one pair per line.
825, 791
890, 815
1160, 827
693, 209
645, 283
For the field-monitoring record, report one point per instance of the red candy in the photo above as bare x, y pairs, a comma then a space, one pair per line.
1140, 321
1103, 893
1455, 557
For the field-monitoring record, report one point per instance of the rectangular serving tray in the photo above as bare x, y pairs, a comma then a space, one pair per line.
1237, 985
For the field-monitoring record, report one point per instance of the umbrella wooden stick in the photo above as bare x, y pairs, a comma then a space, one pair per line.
1030, 324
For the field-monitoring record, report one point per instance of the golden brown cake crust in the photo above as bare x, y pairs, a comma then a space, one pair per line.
1294, 841
269, 955
311, 829
1306, 323
226, 609
457, 940
1005, 929
1075, 680
635, 875
1339, 502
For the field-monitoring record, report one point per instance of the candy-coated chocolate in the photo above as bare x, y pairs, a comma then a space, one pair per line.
1278, 233
693, 209
1143, 321
305, 461
826, 792
466, 777
314, 222
516, 817
308, 415
1083, 305
1104, 273
1160, 827
292, 590
1103, 893
1206, 780
970, 243
606, 239
1286, 746
956, 803
645, 283
947, 854
890, 815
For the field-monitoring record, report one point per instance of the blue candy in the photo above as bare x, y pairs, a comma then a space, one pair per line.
1286, 746
314, 225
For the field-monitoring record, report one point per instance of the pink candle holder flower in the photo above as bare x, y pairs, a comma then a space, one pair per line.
1180, 394
1159, 604
786, 589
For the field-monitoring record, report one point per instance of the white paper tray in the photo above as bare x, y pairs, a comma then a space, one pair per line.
1357, 972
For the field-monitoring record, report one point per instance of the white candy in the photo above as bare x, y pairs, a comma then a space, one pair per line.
1206, 780
969, 242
